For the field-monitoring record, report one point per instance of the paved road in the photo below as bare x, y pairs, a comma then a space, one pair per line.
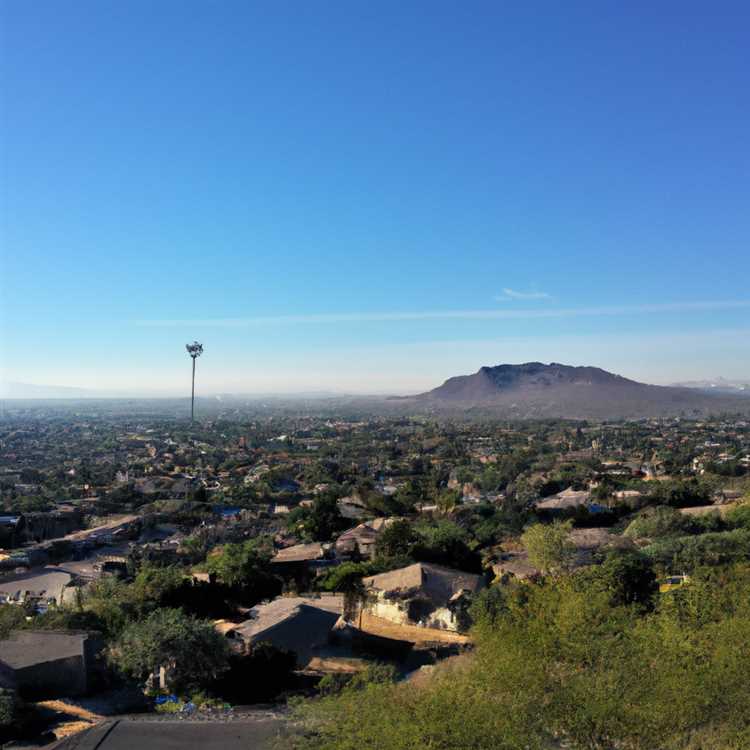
261, 733
48, 581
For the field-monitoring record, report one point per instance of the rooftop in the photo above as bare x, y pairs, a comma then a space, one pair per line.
25, 648
437, 582
299, 553
265, 616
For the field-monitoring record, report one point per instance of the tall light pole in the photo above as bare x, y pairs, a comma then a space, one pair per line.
194, 350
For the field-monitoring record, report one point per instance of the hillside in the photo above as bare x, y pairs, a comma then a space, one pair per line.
536, 390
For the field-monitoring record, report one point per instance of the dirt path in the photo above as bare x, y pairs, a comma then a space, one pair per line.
66, 719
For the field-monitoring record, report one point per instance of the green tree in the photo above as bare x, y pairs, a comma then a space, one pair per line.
321, 522
549, 546
12, 617
191, 649
396, 539
446, 543
153, 584
681, 493
658, 522
109, 600
236, 564
739, 517
560, 661
626, 576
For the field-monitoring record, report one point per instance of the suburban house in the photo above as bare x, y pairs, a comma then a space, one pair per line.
299, 553
300, 561
514, 565
360, 541
293, 623
52, 663
421, 594
351, 507
569, 500
513, 561
633, 499
588, 539
724, 496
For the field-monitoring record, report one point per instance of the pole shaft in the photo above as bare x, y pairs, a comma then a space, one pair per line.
192, 396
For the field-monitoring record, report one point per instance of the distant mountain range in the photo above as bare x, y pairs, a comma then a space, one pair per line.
32, 391
536, 390
527, 391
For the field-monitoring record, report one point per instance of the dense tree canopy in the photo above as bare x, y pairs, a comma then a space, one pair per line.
193, 651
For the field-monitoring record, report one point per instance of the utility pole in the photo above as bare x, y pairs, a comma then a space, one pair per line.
194, 350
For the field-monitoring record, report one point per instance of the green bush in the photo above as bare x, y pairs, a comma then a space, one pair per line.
563, 666
194, 652
375, 673
661, 521
686, 553
739, 517
12, 617
549, 546
625, 576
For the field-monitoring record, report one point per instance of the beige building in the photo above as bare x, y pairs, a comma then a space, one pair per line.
422, 594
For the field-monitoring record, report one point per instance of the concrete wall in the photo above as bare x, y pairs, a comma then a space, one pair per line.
53, 679
398, 612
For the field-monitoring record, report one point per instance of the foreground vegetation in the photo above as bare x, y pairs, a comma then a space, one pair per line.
564, 663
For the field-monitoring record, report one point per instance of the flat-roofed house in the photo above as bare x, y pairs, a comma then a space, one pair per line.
52, 663
293, 623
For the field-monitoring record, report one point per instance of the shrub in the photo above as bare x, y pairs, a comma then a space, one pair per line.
686, 553
563, 663
627, 577
548, 545
658, 522
739, 517
191, 648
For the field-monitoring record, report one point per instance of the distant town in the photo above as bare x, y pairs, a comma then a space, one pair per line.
296, 555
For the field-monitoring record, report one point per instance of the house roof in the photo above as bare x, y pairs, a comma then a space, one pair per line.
299, 553
361, 534
364, 533
25, 648
516, 565
436, 582
569, 498
266, 616
585, 539
295, 624
351, 510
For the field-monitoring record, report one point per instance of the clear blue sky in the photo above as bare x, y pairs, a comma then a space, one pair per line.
372, 196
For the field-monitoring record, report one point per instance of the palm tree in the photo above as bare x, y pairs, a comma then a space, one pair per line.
194, 350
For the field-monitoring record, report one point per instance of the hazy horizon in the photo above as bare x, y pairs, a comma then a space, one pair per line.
305, 386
